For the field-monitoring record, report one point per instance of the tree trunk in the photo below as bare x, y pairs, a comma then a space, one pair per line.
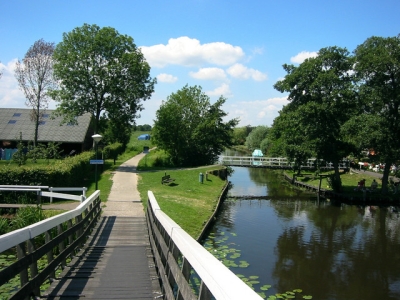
337, 176
385, 177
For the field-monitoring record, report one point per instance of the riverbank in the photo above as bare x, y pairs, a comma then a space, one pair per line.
350, 193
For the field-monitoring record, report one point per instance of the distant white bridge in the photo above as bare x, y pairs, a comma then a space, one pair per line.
273, 162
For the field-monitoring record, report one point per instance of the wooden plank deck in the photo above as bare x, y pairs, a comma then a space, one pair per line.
116, 263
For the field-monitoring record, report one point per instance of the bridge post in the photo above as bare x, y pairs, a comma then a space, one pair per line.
49, 255
33, 267
23, 275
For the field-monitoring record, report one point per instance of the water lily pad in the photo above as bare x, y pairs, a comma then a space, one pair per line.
243, 264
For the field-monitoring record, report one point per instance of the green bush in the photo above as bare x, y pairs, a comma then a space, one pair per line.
69, 172
112, 151
26, 216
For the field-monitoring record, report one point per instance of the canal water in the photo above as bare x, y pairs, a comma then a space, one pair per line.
279, 239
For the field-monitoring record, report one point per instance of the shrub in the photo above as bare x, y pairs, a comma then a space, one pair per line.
112, 151
4, 226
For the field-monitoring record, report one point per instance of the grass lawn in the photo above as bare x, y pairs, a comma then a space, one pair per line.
187, 201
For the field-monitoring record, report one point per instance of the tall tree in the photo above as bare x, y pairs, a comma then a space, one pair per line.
115, 131
288, 136
35, 78
377, 69
255, 138
191, 129
100, 72
323, 88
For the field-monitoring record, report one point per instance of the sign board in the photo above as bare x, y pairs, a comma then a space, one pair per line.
96, 162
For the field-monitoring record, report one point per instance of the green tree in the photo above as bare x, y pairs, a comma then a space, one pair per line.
240, 134
101, 72
115, 131
35, 78
191, 129
255, 137
322, 88
288, 136
377, 125
145, 127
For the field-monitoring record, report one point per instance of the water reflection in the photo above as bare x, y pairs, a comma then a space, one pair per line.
290, 242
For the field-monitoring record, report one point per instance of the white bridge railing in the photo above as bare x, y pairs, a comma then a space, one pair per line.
178, 256
278, 162
64, 233
51, 194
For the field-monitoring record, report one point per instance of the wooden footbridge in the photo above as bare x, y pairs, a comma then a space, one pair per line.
89, 256
273, 162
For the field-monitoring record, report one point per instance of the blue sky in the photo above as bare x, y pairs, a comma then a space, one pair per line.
230, 48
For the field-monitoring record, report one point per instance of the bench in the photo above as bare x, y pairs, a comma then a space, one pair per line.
167, 179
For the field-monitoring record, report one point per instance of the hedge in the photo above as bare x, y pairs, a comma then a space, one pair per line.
69, 172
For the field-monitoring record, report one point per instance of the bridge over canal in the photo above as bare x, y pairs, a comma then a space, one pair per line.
272, 162
117, 251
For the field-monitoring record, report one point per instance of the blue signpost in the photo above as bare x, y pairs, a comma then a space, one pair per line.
97, 138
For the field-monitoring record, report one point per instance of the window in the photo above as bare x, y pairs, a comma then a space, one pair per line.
12, 121
17, 115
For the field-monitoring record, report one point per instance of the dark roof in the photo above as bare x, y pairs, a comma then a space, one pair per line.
16, 120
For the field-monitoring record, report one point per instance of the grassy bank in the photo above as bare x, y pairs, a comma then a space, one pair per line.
187, 201
349, 181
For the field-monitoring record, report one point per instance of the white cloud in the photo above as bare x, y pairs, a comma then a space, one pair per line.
10, 94
168, 78
302, 56
223, 90
242, 72
189, 52
258, 112
209, 74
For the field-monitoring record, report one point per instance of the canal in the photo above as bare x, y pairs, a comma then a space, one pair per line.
281, 239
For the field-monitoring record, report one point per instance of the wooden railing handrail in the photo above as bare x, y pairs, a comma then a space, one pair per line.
215, 276
64, 234
16, 237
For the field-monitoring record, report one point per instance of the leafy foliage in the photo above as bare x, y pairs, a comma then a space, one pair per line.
101, 72
240, 134
112, 151
191, 129
378, 76
115, 131
322, 98
256, 137
20, 156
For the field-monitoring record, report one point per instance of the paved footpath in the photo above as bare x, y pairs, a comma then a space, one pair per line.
124, 198
116, 262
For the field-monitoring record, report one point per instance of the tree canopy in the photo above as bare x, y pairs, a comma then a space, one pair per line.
322, 98
256, 137
100, 72
191, 129
35, 78
377, 123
